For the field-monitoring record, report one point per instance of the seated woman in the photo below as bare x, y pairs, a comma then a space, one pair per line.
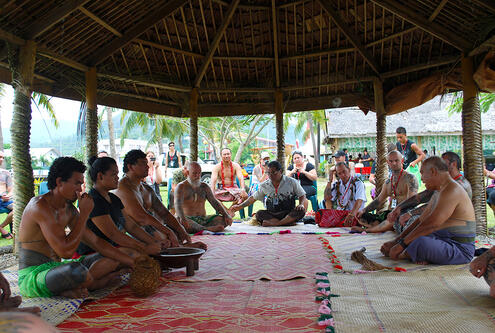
107, 220
304, 172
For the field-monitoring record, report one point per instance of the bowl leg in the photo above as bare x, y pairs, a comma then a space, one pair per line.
190, 268
196, 264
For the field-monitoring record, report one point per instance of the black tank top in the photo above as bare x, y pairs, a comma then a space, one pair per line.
407, 152
173, 161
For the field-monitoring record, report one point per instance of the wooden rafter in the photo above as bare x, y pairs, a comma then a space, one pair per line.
215, 42
52, 17
147, 83
144, 24
353, 39
435, 29
490, 4
100, 21
437, 10
487, 45
275, 44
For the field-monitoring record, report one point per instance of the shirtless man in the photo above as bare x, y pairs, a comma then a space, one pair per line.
399, 187
444, 234
43, 240
406, 213
226, 171
143, 206
190, 199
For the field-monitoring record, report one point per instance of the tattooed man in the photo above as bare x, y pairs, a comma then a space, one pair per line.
444, 234
400, 186
190, 199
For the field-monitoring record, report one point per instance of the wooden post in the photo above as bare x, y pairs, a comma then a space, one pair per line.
279, 125
381, 136
91, 119
20, 131
193, 111
473, 144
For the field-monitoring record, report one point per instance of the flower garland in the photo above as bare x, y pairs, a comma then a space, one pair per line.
325, 309
337, 265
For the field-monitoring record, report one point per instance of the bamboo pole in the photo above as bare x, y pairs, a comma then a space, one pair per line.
193, 120
279, 124
473, 144
20, 131
91, 118
381, 136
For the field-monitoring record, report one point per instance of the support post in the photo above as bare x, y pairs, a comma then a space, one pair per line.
193, 120
279, 124
20, 131
473, 144
91, 118
381, 136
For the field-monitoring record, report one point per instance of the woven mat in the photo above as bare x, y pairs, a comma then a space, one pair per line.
254, 257
426, 301
344, 246
55, 310
299, 228
209, 306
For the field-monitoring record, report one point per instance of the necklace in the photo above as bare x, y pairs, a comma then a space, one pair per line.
394, 187
231, 175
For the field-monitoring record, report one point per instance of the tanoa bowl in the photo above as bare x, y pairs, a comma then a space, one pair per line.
177, 257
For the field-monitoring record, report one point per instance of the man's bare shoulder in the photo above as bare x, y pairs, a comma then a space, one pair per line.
39, 207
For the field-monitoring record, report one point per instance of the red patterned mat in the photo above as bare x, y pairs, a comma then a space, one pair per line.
254, 257
209, 306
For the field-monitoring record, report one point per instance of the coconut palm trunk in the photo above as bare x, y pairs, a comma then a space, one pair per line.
111, 133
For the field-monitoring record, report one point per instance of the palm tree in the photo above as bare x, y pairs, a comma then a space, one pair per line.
485, 99
310, 119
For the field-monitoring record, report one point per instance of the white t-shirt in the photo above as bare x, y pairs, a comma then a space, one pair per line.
354, 189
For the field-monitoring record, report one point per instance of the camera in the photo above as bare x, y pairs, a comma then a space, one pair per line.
153, 159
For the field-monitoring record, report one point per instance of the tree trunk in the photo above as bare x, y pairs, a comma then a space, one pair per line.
473, 145
312, 135
181, 144
251, 136
20, 131
160, 146
111, 133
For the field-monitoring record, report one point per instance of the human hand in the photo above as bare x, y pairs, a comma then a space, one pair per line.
385, 249
359, 214
348, 220
85, 202
4, 288
413, 164
394, 214
404, 218
395, 251
478, 266
184, 237
228, 220
300, 207
153, 248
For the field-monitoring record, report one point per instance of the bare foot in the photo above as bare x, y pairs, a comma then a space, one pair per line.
198, 245
270, 223
422, 263
216, 228
110, 280
10, 303
75, 293
31, 309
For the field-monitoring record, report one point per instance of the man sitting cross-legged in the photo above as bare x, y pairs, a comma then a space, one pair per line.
225, 173
43, 240
401, 186
190, 199
143, 206
408, 211
347, 193
444, 233
280, 192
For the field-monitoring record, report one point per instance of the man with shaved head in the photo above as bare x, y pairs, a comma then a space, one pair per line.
190, 199
444, 233
400, 186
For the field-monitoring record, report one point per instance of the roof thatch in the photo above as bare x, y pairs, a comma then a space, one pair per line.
431, 118
150, 54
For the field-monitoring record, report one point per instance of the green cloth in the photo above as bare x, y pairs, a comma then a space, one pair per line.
32, 279
203, 220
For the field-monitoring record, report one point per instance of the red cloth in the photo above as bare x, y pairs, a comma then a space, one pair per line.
332, 218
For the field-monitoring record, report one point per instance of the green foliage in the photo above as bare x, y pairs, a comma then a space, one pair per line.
43, 101
6, 146
485, 99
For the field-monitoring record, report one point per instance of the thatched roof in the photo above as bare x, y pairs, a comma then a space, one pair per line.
150, 54
431, 118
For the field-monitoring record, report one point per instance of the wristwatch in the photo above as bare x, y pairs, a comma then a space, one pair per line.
402, 243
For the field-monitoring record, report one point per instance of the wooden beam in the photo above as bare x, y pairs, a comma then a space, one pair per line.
318, 53
435, 29
100, 21
147, 83
212, 90
437, 11
279, 123
215, 42
353, 39
144, 98
275, 44
490, 4
44, 52
381, 135
156, 14
486, 46
54, 16
11, 38
419, 67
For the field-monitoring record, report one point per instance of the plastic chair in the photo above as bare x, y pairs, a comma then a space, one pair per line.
314, 198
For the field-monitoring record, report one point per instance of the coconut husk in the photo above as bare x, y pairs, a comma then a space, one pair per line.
368, 264
145, 278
